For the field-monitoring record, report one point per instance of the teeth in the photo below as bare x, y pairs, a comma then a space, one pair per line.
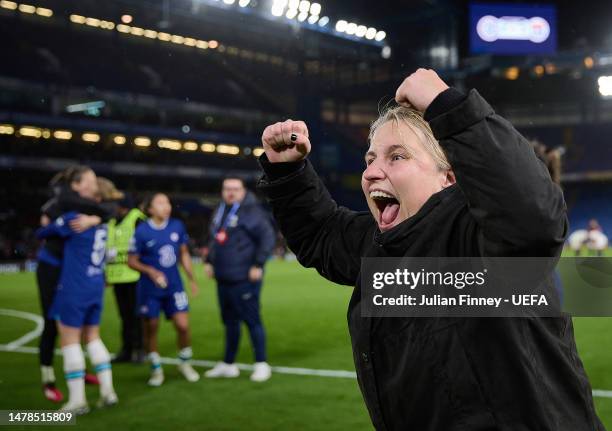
379, 194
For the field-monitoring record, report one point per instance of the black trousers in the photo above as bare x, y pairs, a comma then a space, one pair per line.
131, 328
47, 278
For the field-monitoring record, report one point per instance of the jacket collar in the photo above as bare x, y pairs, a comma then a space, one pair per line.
395, 237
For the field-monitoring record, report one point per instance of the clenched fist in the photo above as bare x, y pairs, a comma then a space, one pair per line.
286, 142
420, 89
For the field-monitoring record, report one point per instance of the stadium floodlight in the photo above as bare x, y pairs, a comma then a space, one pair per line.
341, 26
178, 39
315, 8
605, 85
208, 147
370, 33
169, 144
6, 4
90, 137
228, 149
313, 19
119, 140
361, 31
324, 21
278, 10
126, 19
351, 28
291, 13
380, 35
30, 131
122, 28
304, 6
229, 1
212, 44
63, 135
26, 8
77, 19
43, 11
137, 31
294, 4
6, 129
190, 146
302, 16
92, 22
258, 152
244, 3
107, 25
142, 141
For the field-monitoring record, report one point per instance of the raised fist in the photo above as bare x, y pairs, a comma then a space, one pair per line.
286, 142
420, 89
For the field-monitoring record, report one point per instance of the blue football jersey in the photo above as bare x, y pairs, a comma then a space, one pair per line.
83, 261
159, 247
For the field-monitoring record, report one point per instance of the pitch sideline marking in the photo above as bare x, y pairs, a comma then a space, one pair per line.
35, 333
18, 347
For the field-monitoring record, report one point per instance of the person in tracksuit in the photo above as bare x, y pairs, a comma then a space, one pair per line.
242, 239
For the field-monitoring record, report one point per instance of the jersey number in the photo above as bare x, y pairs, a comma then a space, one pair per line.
99, 247
180, 300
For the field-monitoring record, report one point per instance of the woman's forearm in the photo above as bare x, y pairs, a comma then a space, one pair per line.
321, 234
135, 263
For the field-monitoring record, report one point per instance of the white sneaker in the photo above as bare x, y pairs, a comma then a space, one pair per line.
75, 408
188, 372
157, 378
261, 372
107, 401
223, 370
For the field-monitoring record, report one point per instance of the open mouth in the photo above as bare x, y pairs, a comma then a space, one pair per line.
388, 208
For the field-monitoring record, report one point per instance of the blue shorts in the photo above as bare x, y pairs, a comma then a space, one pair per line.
149, 306
75, 310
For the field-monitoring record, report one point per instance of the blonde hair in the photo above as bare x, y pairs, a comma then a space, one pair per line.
413, 119
108, 191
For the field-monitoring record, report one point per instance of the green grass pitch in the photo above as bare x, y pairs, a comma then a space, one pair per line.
305, 317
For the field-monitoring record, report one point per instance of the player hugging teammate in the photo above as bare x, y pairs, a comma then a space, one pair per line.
77, 304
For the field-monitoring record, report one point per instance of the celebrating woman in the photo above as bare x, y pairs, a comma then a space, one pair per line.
445, 176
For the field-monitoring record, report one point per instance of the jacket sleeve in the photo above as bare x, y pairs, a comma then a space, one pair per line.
51, 208
210, 240
69, 200
518, 208
265, 237
321, 234
58, 228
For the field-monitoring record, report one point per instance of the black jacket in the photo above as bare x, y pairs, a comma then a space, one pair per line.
446, 374
67, 200
250, 240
